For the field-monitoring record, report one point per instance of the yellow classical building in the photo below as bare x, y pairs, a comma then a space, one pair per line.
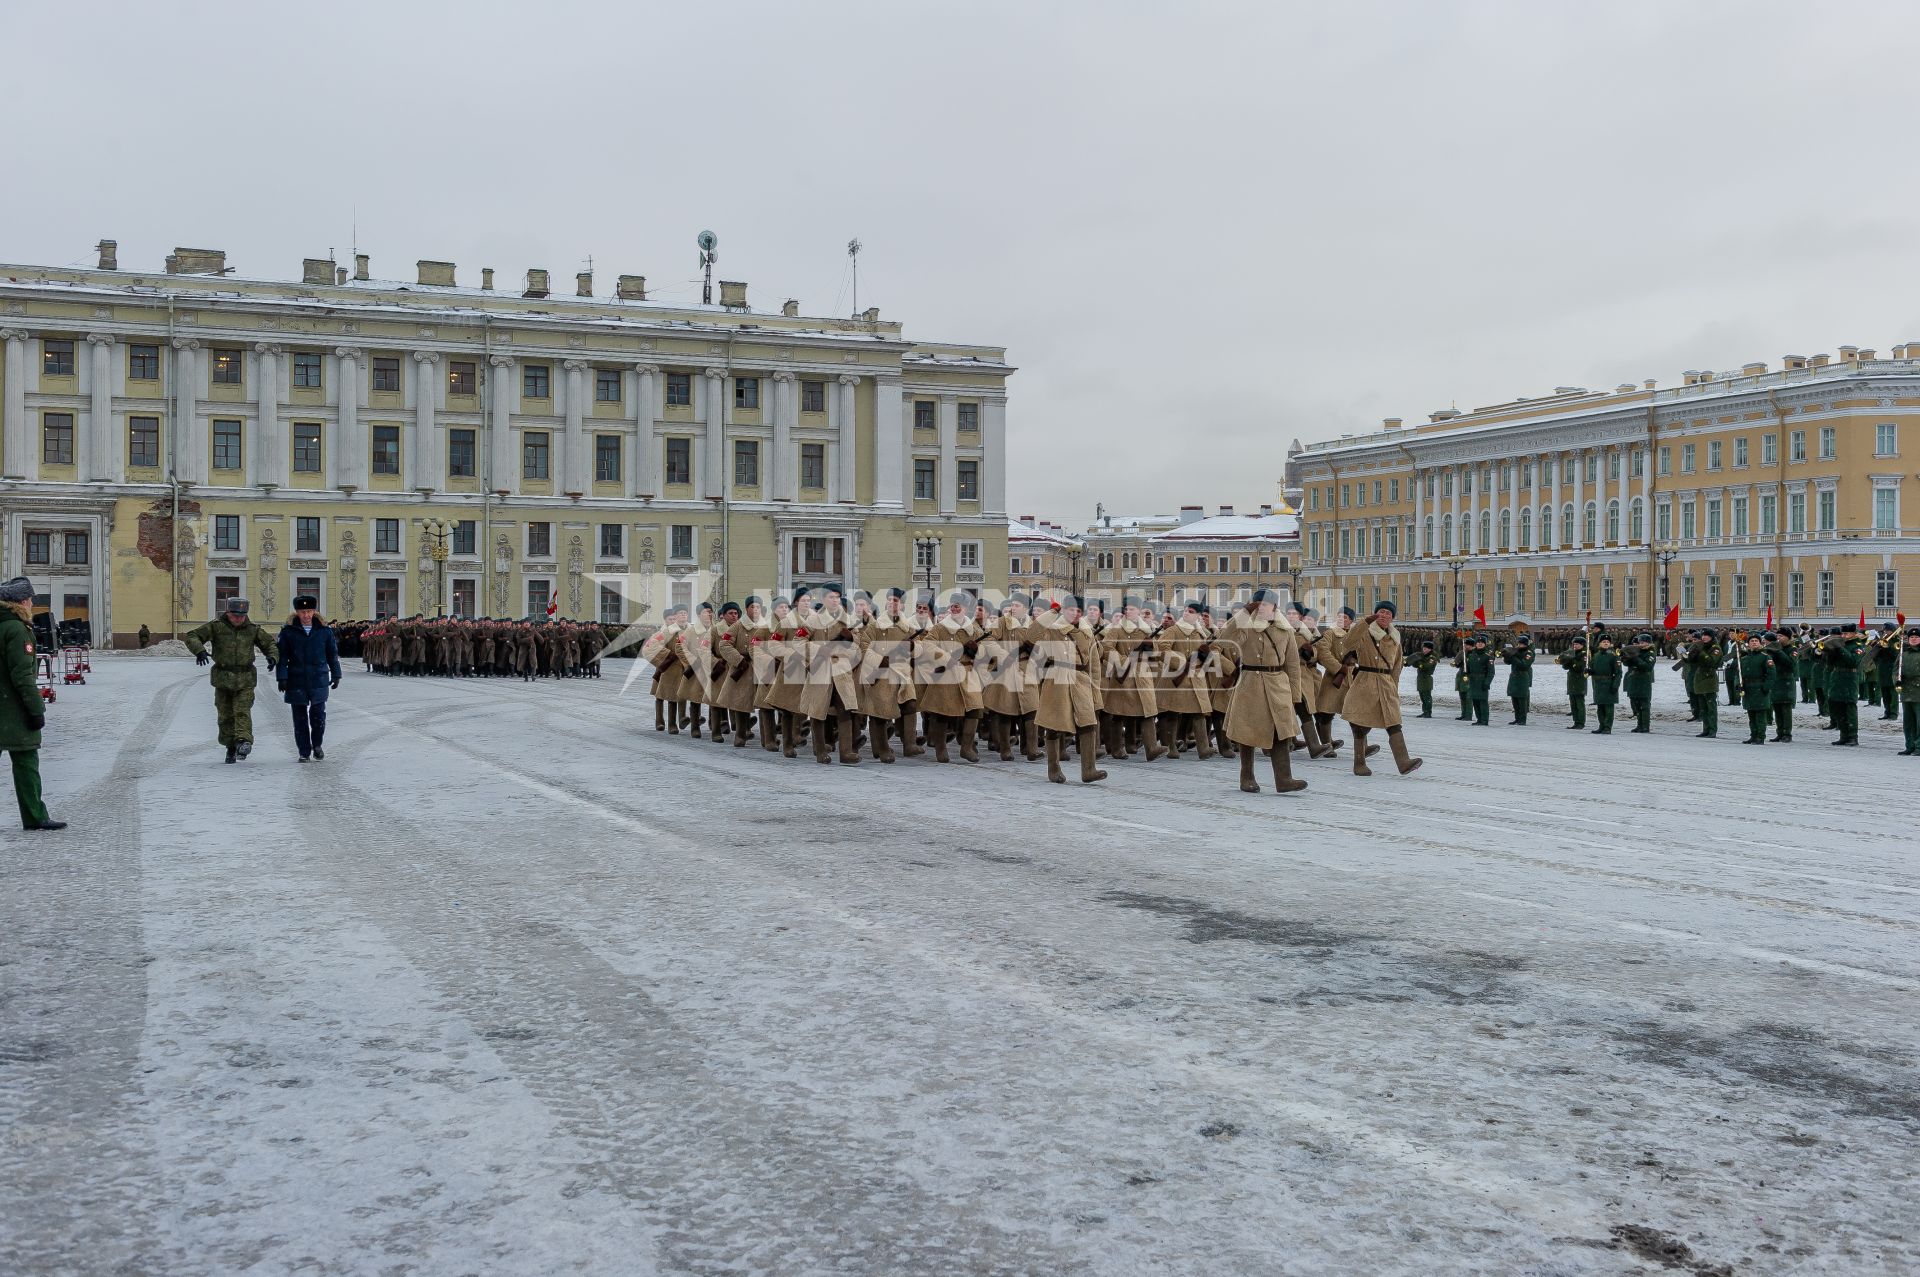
170, 438
1728, 495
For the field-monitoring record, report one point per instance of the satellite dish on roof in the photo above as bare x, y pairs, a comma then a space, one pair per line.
708, 241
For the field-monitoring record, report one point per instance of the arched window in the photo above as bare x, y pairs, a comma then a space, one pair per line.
1526, 528
1613, 522
1566, 522
1446, 534
1427, 536
1546, 526
1637, 521
1223, 593
1506, 529
1486, 530
1592, 524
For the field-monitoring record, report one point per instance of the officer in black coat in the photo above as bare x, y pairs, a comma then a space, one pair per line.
309, 668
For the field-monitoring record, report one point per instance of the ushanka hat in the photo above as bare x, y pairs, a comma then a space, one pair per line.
1387, 604
18, 590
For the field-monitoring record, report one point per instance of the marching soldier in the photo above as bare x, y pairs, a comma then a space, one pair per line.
886, 672
1181, 651
1842, 660
23, 712
1306, 691
1605, 671
1373, 657
1574, 662
1424, 663
1756, 677
949, 695
233, 638
1260, 712
831, 697
1701, 661
1735, 673
732, 681
1479, 666
1065, 652
1128, 683
1519, 662
1782, 680
1638, 661
1328, 692
1908, 685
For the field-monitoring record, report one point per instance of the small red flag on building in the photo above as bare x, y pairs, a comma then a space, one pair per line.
1480, 615
1673, 618
1769, 616
1863, 618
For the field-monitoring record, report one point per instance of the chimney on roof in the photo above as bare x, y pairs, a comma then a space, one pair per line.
630, 288
360, 264
316, 270
109, 254
197, 261
1899, 352
1866, 355
1226, 512
486, 278
1265, 510
1390, 423
1753, 369
871, 314
1191, 514
790, 308
1793, 363
733, 294
536, 282
583, 283
1623, 388
1027, 519
1820, 361
340, 275
439, 274
1649, 383
1848, 354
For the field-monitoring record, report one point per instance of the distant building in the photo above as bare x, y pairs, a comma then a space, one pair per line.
1189, 555
1041, 556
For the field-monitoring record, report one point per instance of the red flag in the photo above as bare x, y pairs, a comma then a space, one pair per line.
1480, 615
1863, 618
1900, 619
553, 605
1769, 616
1673, 618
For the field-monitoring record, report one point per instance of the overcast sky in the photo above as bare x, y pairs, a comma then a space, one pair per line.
1200, 230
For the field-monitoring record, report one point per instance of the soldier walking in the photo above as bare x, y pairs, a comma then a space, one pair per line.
1886, 670
309, 669
233, 638
23, 713
1373, 658
1065, 652
1260, 714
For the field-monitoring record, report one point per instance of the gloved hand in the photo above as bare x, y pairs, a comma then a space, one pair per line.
36, 721
270, 664
283, 688
335, 684
201, 659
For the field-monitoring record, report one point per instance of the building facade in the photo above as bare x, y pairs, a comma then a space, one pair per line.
1041, 557
1729, 495
170, 438
1223, 559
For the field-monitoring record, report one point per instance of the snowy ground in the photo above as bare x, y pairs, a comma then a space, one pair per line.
510, 984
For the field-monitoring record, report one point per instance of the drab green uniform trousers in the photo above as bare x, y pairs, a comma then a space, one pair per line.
1603, 712
1642, 712
1481, 710
1520, 709
26, 787
1783, 720
235, 709
1910, 724
1757, 725
1710, 715
1579, 711
1846, 718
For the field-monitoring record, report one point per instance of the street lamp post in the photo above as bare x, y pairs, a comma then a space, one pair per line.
1666, 552
436, 531
1456, 565
927, 548
1073, 570
1293, 581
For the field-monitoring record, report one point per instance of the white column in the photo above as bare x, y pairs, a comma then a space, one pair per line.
1452, 499
1646, 506
949, 467
16, 441
189, 447
783, 472
424, 456
1470, 507
350, 449
993, 448
1419, 508
845, 459
890, 451
1513, 509
713, 478
577, 470
270, 468
98, 462
645, 405
1626, 466
505, 466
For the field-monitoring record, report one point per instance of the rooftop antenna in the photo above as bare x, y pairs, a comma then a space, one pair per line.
853, 251
708, 241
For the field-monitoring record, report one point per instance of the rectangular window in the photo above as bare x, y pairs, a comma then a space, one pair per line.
227, 365
308, 585
1686, 593
1663, 522
610, 605
1586, 595
1313, 499
1766, 589
1824, 583
679, 390
1797, 445
536, 382
606, 385
533, 455
923, 485
1884, 500
967, 478
746, 463
386, 450
679, 461
1885, 437
539, 540
306, 447
1769, 514
813, 465
386, 374
923, 414
1592, 468
1499, 597
1713, 517
1666, 461
1266, 564
1686, 458
460, 454
746, 392
1346, 495
307, 374
225, 587
1376, 491
39, 547
1479, 595
1713, 591
813, 396
1393, 491
1686, 521
1884, 587
680, 544
1633, 593
1246, 564
1828, 438
1426, 598
1829, 502
386, 536
1179, 563
143, 363
606, 458
462, 378
926, 554
226, 445
226, 532
970, 417
1796, 590
306, 535
56, 357
1739, 591
1739, 516
970, 556
1740, 453
1606, 595
539, 594
1796, 512
1713, 455
1769, 450
56, 447
1638, 466
465, 595
1200, 564
143, 441
612, 540
465, 536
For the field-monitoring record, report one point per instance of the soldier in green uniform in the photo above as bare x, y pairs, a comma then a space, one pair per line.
1702, 663
1462, 686
1479, 678
1803, 657
1841, 657
1574, 662
22, 711
1424, 662
1605, 669
233, 638
1638, 661
1819, 679
1519, 661
1782, 681
1886, 670
1908, 685
1756, 675
1736, 674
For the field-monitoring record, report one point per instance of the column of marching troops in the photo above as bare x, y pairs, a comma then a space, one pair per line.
1765, 673
477, 647
1044, 677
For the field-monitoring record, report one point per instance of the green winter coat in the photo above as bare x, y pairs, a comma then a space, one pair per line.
1756, 673
1783, 682
1702, 663
1803, 659
1736, 670
1817, 675
20, 701
1574, 662
233, 647
1909, 683
1479, 671
1842, 661
1519, 661
1423, 667
1606, 675
1638, 662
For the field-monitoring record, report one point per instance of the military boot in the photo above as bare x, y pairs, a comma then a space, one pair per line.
1401, 758
232, 755
673, 718
910, 745
788, 731
659, 716
1325, 723
1054, 773
1088, 772
937, 736
1283, 781
878, 729
1000, 734
1360, 767
742, 727
769, 730
1316, 748
849, 739
1201, 744
969, 729
1029, 745
1149, 729
1247, 783
822, 752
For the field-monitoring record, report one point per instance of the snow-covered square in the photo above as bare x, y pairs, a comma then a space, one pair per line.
513, 984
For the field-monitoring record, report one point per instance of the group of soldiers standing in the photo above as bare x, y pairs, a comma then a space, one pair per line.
1765, 673
462, 647
1046, 677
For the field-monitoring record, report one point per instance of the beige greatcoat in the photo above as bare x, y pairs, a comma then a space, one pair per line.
1063, 658
1125, 661
733, 690
694, 645
1182, 684
1304, 690
1005, 675
1327, 650
789, 653
765, 664
1373, 698
886, 665
943, 672
832, 660
662, 650
1260, 713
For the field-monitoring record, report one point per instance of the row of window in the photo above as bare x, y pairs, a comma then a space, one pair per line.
1732, 592
1178, 563
41, 545
463, 540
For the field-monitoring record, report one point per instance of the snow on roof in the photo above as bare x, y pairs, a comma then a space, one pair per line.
1234, 527
1018, 531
